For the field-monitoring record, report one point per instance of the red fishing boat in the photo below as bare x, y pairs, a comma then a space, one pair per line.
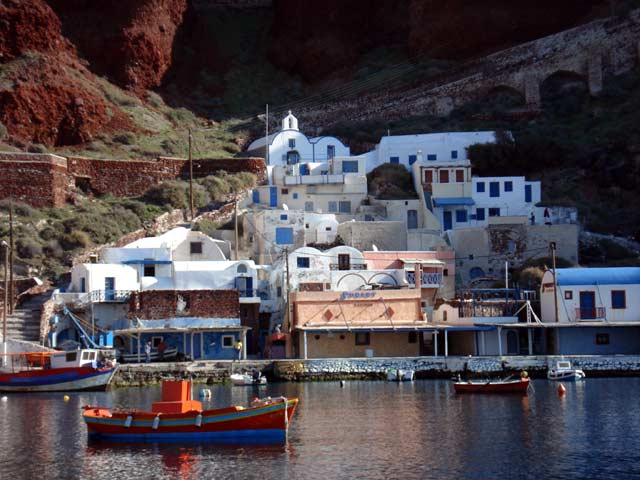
178, 417
520, 385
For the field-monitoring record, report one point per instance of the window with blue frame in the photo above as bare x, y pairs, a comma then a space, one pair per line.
618, 299
283, 217
331, 151
295, 195
350, 166
494, 212
480, 187
494, 189
432, 157
480, 214
394, 159
292, 143
461, 216
454, 154
344, 207
412, 159
508, 186
303, 262
284, 236
333, 207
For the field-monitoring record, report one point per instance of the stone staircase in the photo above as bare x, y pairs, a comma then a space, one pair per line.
24, 324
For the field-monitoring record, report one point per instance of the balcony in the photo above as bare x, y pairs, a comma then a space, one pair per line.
252, 296
590, 314
313, 179
116, 296
348, 266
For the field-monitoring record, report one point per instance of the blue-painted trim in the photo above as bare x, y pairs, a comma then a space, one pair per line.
599, 276
147, 262
52, 379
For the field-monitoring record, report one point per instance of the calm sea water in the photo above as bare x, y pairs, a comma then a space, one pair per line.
373, 430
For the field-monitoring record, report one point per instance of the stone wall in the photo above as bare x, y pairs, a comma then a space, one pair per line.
161, 304
45, 180
386, 236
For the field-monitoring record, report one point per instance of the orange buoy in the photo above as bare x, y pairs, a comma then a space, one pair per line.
561, 390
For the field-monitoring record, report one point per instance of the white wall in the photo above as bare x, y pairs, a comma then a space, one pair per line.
126, 277
510, 203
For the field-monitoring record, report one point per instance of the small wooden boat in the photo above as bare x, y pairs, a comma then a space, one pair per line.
178, 417
74, 370
398, 375
563, 371
245, 379
520, 385
169, 354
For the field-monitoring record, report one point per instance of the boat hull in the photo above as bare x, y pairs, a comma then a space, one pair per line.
247, 380
566, 376
516, 386
263, 423
57, 380
395, 375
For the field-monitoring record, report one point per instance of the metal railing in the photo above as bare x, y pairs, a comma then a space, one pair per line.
254, 293
349, 266
595, 313
109, 295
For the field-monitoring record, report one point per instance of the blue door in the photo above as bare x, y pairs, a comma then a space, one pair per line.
273, 196
412, 219
109, 288
447, 221
494, 189
587, 305
527, 193
197, 353
256, 196
304, 169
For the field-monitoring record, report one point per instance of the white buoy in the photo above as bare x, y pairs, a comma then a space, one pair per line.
342, 383
5, 398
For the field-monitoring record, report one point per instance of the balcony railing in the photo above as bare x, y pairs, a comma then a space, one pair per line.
595, 313
255, 293
348, 266
109, 295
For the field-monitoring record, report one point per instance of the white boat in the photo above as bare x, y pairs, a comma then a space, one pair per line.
398, 375
243, 379
563, 371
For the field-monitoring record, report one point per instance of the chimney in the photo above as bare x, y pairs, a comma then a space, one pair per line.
418, 276
93, 258
419, 157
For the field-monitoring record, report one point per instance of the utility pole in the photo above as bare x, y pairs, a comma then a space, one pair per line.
190, 178
235, 217
5, 247
552, 246
266, 137
11, 293
286, 258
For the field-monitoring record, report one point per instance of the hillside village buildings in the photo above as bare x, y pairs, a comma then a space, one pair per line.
335, 270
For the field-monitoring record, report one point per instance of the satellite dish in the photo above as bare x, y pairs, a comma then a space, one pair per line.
285, 207
373, 246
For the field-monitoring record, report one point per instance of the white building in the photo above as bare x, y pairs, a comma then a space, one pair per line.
290, 146
505, 197
434, 147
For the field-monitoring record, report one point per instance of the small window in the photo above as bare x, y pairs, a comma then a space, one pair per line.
242, 268
494, 212
285, 191
508, 186
71, 356
480, 214
480, 187
306, 225
412, 159
459, 176
461, 216
445, 272
83, 285
413, 337
85, 355
344, 207
284, 217
444, 316
227, 341
428, 176
568, 294
333, 207
618, 299
292, 143
195, 248
602, 339
149, 271
444, 176
363, 338
295, 195
368, 218
394, 159
454, 154
308, 206
350, 166
327, 229
279, 292
303, 262
284, 235
331, 151
432, 157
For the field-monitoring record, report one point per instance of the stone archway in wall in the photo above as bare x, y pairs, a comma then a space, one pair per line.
364, 280
382, 274
564, 87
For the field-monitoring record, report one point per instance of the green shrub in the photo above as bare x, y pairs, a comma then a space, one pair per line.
52, 249
28, 248
217, 188
3, 131
37, 148
19, 208
389, 181
171, 194
127, 138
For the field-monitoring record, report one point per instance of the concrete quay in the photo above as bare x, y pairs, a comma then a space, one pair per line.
331, 369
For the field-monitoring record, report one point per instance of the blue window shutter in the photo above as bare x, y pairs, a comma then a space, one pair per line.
304, 169
508, 186
284, 235
494, 189
479, 213
432, 157
618, 299
454, 154
412, 159
350, 166
345, 206
480, 187
303, 262
273, 196
256, 196
333, 207
461, 216
394, 159
283, 217
295, 195
527, 193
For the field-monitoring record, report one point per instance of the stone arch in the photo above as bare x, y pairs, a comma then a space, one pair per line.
562, 84
382, 274
506, 96
352, 274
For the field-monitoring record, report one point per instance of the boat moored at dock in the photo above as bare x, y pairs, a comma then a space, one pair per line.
563, 371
